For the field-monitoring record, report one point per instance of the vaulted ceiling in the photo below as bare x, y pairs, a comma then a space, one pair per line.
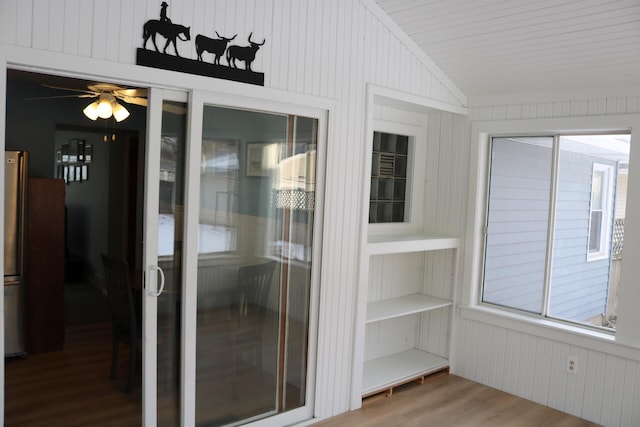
490, 47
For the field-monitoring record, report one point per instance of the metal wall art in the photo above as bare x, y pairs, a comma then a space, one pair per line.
235, 55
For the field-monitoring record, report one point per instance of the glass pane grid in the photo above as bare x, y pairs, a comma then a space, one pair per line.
388, 178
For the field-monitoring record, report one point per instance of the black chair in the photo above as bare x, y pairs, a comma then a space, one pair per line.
124, 316
249, 309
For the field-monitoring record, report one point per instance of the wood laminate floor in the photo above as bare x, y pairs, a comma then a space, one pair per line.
72, 388
449, 400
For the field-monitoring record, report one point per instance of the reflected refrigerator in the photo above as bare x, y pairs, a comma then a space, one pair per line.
15, 217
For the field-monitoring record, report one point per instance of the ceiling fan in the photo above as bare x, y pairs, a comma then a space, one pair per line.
106, 104
107, 96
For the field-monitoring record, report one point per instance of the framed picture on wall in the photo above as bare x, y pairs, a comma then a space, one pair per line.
73, 151
255, 160
220, 158
85, 172
78, 170
64, 153
70, 173
88, 153
81, 150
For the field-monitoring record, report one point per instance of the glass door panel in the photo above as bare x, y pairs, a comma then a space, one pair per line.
257, 201
164, 207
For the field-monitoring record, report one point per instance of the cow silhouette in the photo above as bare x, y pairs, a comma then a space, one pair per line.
215, 46
243, 53
170, 31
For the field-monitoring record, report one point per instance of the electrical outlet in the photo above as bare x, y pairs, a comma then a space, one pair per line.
572, 365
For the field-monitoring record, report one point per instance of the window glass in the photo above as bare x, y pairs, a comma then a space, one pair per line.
517, 225
576, 198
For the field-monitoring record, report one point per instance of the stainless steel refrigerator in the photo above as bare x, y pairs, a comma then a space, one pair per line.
15, 216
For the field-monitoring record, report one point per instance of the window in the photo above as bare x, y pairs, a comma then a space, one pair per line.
552, 202
600, 212
388, 177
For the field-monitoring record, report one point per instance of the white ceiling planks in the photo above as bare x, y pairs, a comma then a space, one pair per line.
491, 47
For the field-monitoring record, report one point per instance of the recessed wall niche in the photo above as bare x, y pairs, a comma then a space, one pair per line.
389, 161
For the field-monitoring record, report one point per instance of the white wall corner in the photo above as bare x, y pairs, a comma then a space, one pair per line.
395, 29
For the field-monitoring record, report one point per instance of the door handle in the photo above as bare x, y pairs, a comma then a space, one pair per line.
157, 292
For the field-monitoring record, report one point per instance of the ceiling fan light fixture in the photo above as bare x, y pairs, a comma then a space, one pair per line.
119, 111
104, 106
91, 110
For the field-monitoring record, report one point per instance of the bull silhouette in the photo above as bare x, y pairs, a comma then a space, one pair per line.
243, 53
215, 46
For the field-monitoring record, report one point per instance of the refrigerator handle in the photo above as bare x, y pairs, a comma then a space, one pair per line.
160, 289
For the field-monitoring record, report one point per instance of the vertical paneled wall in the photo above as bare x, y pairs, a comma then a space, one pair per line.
606, 387
328, 48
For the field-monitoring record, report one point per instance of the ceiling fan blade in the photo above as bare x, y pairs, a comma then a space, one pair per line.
134, 92
132, 100
42, 98
87, 92
171, 108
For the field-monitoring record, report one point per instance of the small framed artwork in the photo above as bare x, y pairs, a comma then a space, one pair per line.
64, 150
73, 151
81, 150
88, 153
70, 173
60, 172
59, 156
78, 171
85, 172
255, 158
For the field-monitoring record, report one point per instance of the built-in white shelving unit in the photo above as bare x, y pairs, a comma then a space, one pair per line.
409, 260
387, 371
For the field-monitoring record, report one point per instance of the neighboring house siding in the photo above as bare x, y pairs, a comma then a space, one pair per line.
517, 233
578, 288
517, 224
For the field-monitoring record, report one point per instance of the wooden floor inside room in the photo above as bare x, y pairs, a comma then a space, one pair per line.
449, 400
71, 387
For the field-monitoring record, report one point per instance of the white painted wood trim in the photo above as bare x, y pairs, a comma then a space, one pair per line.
407, 101
389, 244
373, 7
61, 64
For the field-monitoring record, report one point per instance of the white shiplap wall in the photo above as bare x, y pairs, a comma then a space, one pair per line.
606, 388
325, 48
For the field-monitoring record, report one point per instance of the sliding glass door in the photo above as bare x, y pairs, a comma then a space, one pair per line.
252, 203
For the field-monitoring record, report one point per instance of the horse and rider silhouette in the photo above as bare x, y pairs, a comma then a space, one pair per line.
170, 31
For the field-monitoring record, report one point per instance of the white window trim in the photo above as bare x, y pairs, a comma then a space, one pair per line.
627, 334
605, 235
417, 153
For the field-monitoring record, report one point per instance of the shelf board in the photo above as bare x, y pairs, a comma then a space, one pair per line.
395, 244
402, 306
398, 368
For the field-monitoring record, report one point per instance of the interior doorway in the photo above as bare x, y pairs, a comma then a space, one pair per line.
100, 167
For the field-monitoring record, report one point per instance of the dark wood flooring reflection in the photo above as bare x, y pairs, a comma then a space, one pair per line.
71, 387
449, 400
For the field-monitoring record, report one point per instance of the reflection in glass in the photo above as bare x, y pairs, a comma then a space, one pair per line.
257, 200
